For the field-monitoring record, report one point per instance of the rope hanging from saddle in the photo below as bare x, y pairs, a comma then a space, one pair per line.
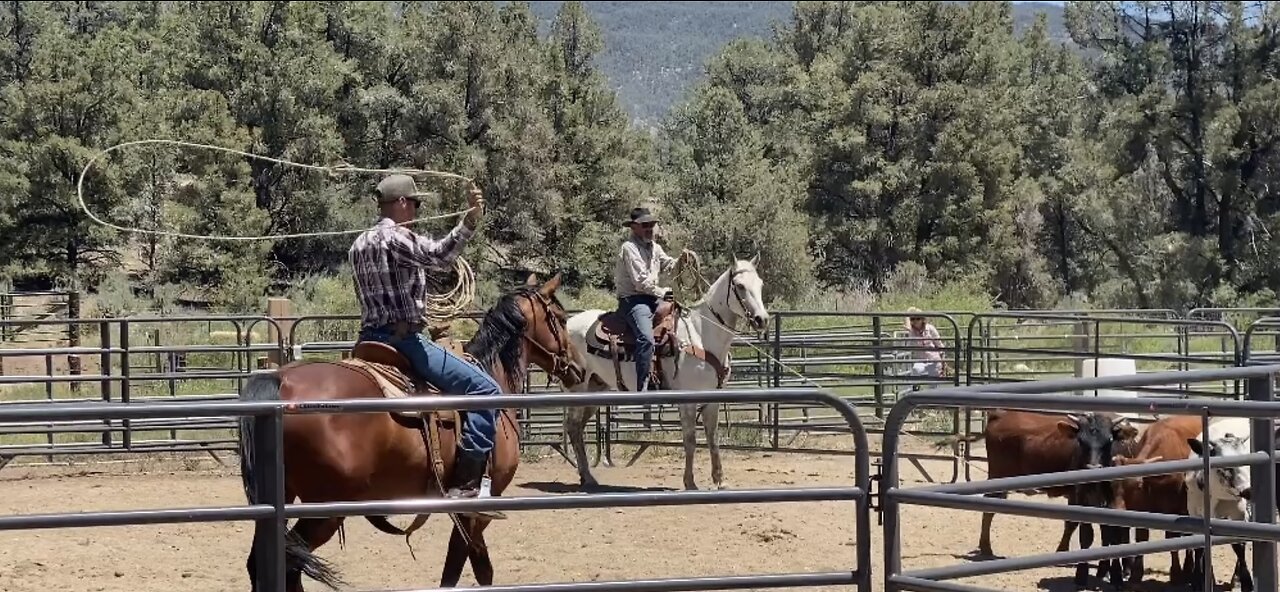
442, 306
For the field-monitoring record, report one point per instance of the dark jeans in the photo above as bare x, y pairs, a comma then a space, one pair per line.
639, 311
452, 375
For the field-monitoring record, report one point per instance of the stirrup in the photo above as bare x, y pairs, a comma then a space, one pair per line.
481, 493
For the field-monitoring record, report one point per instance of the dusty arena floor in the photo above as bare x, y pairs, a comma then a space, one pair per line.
553, 546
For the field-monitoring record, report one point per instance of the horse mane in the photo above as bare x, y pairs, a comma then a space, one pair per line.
498, 340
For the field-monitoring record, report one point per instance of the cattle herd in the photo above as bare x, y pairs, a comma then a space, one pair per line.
1026, 443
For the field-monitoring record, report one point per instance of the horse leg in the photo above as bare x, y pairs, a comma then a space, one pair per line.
455, 559
251, 565
481, 565
689, 427
575, 423
312, 533
710, 420
1068, 529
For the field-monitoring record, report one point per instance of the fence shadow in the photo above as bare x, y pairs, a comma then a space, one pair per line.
558, 487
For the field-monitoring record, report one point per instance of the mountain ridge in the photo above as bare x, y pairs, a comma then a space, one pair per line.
655, 51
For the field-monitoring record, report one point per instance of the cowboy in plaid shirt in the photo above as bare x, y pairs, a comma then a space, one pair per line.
391, 264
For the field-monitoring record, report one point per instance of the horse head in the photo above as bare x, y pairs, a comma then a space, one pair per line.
745, 297
546, 332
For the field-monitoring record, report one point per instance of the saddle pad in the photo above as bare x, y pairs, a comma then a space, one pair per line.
393, 383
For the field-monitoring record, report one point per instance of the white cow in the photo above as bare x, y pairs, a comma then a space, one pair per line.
1228, 488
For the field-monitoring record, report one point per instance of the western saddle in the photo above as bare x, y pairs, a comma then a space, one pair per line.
611, 337
396, 378
393, 372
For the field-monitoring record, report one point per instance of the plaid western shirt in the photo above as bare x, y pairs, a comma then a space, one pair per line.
391, 265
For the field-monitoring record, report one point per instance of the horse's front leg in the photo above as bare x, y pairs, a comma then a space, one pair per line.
710, 421
575, 424
689, 429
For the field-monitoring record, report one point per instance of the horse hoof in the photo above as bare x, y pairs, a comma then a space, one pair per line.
691, 486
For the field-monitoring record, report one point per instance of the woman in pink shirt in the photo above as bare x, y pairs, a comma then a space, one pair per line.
922, 333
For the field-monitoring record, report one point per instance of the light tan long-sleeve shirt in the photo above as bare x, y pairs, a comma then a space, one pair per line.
638, 267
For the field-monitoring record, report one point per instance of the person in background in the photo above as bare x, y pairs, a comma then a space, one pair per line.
922, 334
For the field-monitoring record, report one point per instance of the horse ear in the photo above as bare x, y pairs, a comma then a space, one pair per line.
551, 286
532, 280
755, 259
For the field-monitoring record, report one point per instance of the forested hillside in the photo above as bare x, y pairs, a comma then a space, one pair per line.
861, 147
655, 51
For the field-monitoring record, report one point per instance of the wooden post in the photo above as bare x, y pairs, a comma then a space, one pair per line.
278, 309
73, 337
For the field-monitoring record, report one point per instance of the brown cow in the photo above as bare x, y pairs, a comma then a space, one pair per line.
1166, 439
1026, 443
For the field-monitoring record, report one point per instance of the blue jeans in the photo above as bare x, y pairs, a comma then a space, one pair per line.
639, 311
452, 375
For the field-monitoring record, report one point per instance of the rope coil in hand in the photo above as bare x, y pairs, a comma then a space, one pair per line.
444, 305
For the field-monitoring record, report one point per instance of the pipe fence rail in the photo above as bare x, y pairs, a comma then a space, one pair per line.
866, 358
268, 450
122, 415
1261, 409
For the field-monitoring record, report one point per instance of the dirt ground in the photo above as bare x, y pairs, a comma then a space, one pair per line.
540, 546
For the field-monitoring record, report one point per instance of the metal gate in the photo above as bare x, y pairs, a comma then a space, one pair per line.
1033, 397
268, 451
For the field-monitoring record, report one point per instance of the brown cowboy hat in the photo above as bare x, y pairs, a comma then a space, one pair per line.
641, 216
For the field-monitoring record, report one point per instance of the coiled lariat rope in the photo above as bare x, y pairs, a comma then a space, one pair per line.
445, 305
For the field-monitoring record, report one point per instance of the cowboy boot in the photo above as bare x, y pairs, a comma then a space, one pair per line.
468, 480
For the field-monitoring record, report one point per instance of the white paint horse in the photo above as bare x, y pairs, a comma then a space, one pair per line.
703, 334
1229, 490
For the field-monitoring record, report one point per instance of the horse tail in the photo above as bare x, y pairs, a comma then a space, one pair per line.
259, 387
945, 442
298, 555
382, 524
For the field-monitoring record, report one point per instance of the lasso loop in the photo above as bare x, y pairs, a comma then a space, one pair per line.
343, 168
444, 306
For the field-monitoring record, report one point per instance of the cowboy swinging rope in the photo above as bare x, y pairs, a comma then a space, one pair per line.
440, 306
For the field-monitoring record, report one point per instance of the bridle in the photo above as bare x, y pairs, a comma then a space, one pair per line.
560, 364
735, 291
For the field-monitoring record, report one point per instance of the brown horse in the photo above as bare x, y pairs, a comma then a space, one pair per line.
379, 456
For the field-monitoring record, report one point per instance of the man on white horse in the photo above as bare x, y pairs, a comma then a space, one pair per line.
635, 278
